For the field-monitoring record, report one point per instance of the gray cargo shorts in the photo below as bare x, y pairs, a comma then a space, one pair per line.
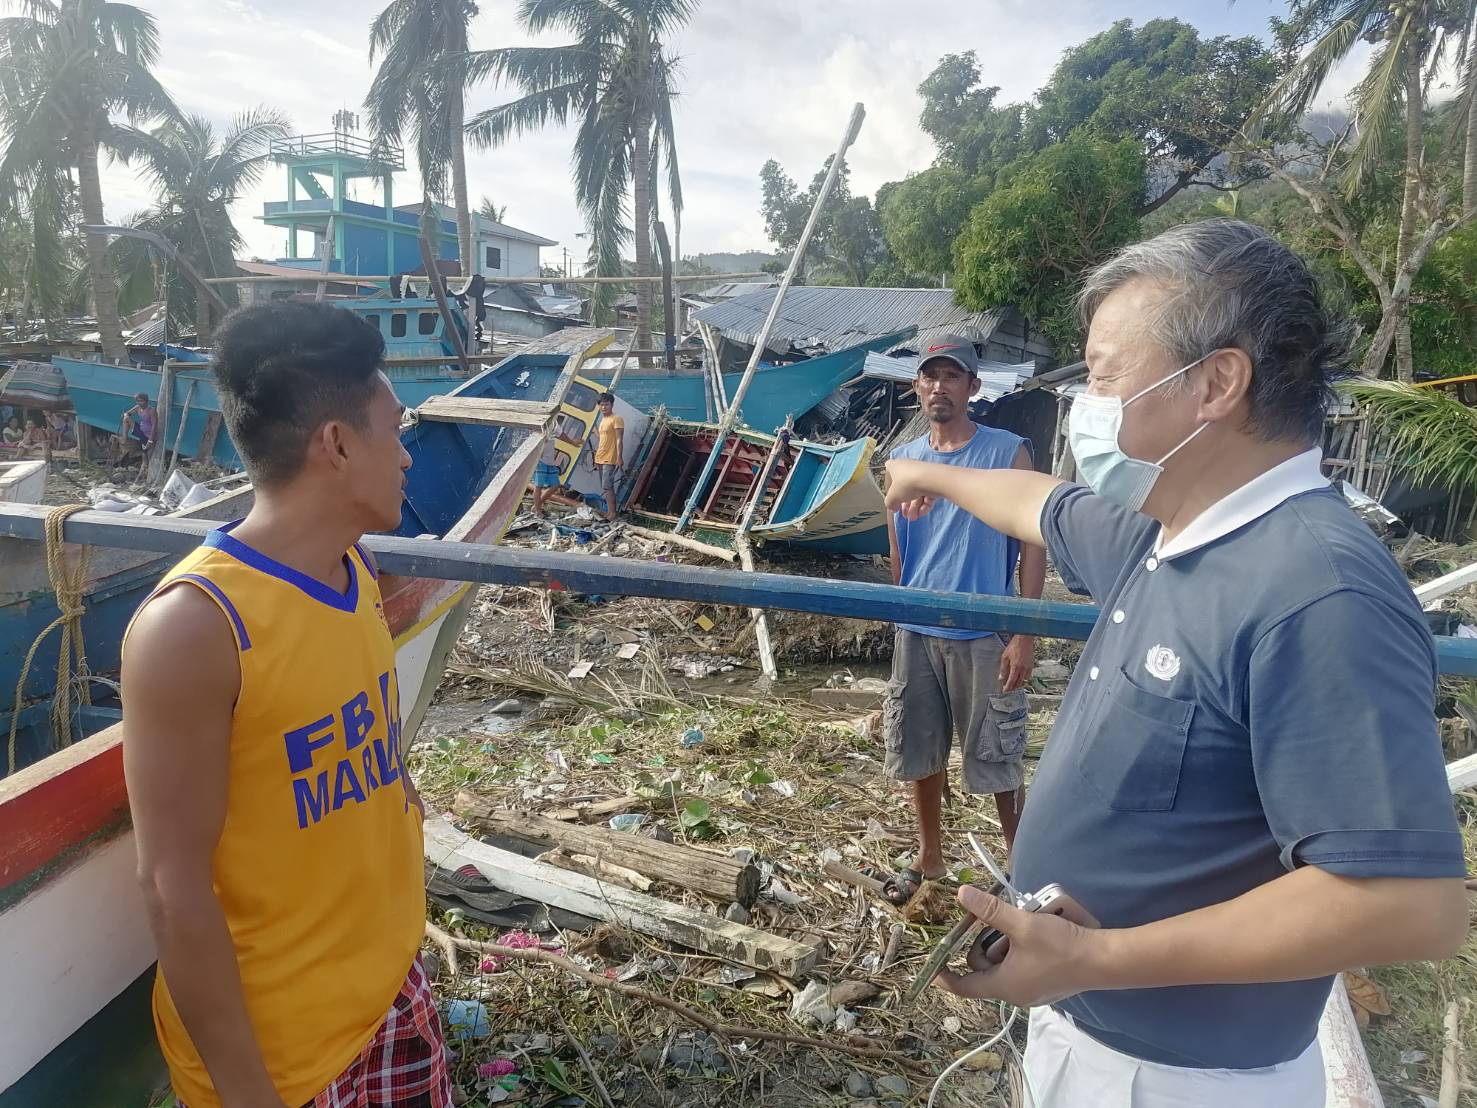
946, 687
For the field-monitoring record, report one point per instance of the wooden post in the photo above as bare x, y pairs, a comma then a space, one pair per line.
615, 378
438, 290
184, 415
767, 665
730, 416
325, 260
669, 306
206, 450
155, 461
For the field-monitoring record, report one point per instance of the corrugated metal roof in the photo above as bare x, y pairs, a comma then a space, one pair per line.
835, 318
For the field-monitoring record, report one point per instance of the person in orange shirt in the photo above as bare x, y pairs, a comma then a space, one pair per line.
610, 453
279, 834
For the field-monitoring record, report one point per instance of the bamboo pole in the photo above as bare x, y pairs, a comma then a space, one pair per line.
767, 665
730, 416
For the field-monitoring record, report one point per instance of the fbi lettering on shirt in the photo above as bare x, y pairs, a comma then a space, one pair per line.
336, 763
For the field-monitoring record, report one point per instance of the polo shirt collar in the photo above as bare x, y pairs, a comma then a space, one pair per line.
1300, 474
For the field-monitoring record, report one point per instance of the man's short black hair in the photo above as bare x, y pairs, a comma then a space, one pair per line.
283, 370
606, 398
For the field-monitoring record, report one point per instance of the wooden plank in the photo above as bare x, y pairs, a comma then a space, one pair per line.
716, 876
58, 803
683, 541
1448, 583
451, 849
496, 565
529, 414
1462, 774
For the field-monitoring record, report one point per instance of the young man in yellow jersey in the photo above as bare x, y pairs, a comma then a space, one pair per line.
610, 454
279, 834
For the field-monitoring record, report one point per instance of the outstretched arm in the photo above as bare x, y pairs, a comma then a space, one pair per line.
1009, 500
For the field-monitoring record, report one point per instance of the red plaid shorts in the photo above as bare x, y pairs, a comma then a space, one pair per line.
404, 1065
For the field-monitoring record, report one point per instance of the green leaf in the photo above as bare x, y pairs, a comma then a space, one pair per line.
556, 1076
696, 812
602, 759
760, 776
600, 732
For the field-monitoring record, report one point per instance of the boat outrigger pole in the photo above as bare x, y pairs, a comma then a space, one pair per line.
735, 405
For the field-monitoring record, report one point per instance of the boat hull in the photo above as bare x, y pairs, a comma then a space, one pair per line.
101, 393
23, 482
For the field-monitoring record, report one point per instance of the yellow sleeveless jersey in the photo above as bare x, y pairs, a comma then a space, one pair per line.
319, 864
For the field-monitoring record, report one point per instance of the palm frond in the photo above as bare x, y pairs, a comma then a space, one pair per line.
590, 19
527, 113
1377, 99
533, 67
1430, 435
131, 31
1290, 96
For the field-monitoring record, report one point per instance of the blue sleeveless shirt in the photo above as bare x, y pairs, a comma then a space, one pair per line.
948, 550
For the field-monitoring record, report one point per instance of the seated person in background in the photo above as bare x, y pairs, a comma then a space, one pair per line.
139, 423
12, 434
35, 440
63, 435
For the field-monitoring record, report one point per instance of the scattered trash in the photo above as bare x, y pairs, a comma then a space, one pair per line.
778, 891
811, 1006
506, 707
581, 670
1413, 1057
628, 651
499, 1067
468, 1018
692, 737
742, 854
845, 1020
952, 1025
629, 821
705, 622
786, 789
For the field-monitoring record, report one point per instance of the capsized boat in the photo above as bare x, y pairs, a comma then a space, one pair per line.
412, 328
73, 933
822, 497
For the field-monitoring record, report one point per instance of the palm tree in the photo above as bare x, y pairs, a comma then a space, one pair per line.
617, 80
422, 84
67, 67
196, 178
489, 210
1410, 38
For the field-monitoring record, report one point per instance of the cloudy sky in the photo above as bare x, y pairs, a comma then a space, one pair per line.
761, 79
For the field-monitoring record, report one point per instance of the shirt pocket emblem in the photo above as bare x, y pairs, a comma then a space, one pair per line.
1162, 663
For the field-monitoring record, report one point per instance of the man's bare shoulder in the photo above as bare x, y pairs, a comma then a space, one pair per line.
181, 641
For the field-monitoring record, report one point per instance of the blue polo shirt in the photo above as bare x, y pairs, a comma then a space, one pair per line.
1258, 695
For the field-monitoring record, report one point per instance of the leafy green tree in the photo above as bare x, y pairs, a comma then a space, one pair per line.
846, 244
1052, 217
617, 82
972, 133
1410, 37
922, 216
1183, 96
68, 68
421, 85
196, 177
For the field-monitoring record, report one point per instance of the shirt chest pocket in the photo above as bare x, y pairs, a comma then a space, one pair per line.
1132, 755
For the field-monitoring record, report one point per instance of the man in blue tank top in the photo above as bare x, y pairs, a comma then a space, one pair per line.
947, 682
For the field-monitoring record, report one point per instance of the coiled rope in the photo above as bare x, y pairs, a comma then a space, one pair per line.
68, 581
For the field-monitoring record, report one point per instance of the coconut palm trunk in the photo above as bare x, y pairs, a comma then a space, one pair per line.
99, 272
1415, 145
641, 201
1469, 166
465, 242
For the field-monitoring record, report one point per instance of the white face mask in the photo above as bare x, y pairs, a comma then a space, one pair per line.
1093, 425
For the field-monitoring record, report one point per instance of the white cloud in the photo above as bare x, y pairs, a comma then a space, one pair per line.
761, 79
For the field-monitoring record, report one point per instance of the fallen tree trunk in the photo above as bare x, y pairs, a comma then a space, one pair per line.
715, 876
449, 848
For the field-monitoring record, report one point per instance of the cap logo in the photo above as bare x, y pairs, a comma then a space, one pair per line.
942, 346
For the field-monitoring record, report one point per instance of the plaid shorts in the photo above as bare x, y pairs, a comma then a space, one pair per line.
404, 1065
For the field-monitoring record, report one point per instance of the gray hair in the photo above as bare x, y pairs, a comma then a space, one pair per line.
1230, 284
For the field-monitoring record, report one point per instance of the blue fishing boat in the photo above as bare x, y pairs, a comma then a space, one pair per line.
777, 392
412, 328
69, 849
822, 497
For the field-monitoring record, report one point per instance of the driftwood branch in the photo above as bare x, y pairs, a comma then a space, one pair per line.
712, 1027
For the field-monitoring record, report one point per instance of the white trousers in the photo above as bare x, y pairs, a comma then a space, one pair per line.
1067, 1068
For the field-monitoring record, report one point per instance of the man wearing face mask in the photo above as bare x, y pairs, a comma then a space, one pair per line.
1244, 784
